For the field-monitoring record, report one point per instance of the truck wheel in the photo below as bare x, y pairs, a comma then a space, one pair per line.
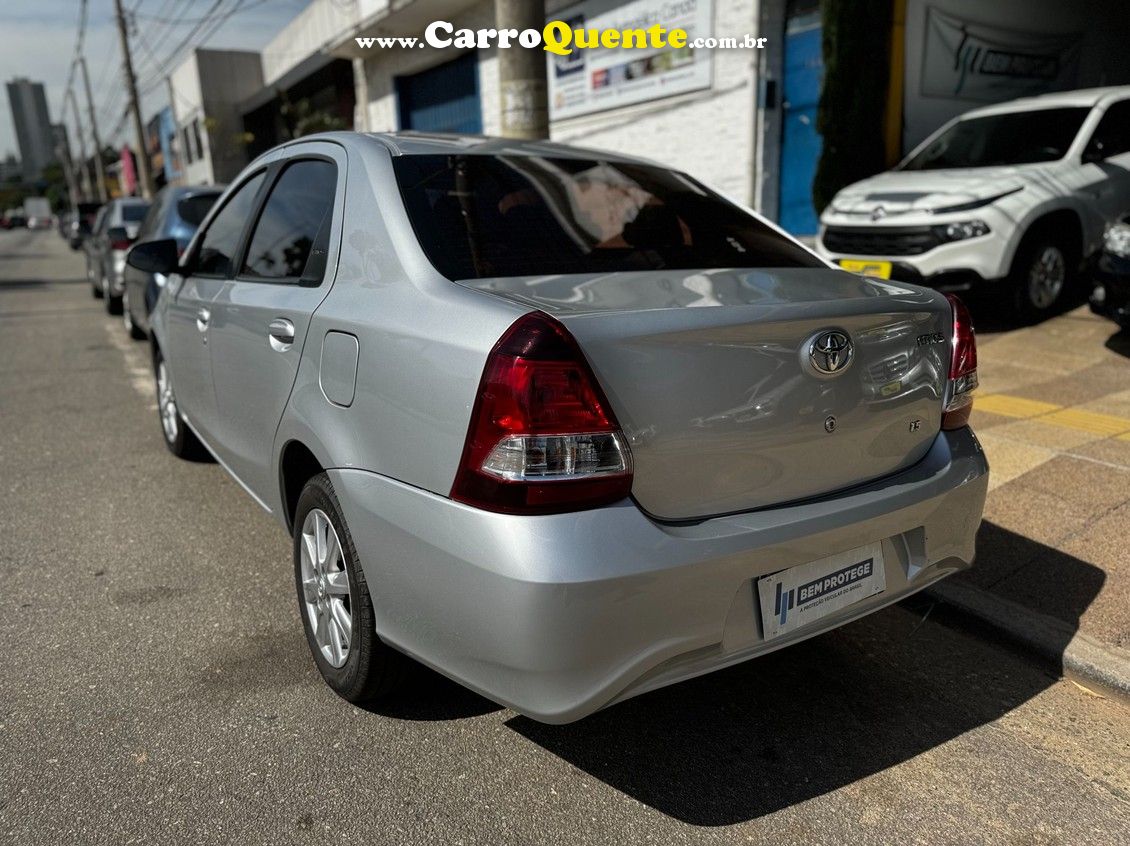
1043, 274
334, 601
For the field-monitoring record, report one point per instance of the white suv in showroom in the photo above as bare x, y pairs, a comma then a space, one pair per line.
1017, 193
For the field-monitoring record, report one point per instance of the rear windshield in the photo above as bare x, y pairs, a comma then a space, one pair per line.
480, 216
1014, 138
193, 209
133, 212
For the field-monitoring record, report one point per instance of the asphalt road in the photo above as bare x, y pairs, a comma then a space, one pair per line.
157, 688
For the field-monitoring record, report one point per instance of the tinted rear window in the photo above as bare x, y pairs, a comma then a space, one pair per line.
479, 216
192, 210
134, 212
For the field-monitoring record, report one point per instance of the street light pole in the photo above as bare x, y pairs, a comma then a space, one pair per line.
142, 157
521, 72
99, 167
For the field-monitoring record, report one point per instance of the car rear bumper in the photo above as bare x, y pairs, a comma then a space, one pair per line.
558, 616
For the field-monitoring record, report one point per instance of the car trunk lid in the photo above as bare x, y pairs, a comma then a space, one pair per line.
710, 375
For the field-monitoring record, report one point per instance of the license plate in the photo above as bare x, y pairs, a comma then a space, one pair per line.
867, 267
803, 594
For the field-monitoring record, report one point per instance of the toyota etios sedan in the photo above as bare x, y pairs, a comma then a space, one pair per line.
565, 426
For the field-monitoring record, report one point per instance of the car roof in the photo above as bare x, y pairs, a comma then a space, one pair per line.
1084, 97
410, 143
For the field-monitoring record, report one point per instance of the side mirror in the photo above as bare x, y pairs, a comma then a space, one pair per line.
154, 256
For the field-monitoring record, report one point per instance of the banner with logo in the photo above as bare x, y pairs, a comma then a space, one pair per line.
588, 81
970, 61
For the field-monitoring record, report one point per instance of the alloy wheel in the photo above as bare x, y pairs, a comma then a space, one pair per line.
1046, 277
167, 403
325, 588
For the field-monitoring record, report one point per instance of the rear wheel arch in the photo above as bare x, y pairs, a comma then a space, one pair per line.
297, 465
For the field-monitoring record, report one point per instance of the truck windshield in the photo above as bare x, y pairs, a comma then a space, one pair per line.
479, 216
1014, 138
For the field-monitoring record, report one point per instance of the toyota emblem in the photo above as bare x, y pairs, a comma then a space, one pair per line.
830, 353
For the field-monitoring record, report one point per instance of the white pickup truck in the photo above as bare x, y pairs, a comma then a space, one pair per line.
1015, 194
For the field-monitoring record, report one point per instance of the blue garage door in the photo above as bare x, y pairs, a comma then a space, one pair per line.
442, 99
800, 142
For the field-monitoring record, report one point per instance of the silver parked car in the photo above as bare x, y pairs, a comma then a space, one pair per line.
114, 231
565, 426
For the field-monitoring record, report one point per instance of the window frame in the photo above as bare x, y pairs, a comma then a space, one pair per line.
279, 167
190, 264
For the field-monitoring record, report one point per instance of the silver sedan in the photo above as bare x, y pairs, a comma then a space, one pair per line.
566, 426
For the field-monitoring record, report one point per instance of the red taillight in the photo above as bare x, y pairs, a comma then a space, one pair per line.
963, 368
542, 436
120, 245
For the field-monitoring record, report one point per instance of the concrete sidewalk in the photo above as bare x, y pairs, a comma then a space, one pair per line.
1053, 566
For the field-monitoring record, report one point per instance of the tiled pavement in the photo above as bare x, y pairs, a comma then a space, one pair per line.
1053, 413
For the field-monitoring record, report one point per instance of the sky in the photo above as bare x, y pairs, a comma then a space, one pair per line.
38, 41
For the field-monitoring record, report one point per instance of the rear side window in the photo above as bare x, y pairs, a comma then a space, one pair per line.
192, 210
217, 249
133, 212
291, 236
480, 216
1112, 135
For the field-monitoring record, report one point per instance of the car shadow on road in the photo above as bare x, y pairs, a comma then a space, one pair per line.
1119, 343
796, 724
25, 284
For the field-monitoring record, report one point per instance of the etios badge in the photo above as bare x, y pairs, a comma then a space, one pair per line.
830, 353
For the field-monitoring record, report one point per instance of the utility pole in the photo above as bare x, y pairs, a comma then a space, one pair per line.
521, 71
63, 154
86, 192
142, 157
99, 167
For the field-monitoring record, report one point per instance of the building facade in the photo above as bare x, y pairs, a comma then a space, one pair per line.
305, 89
204, 93
743, 120
32, 122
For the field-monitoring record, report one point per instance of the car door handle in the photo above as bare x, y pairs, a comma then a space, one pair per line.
202, 318
281, 334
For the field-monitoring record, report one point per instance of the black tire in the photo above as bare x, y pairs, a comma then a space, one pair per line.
127, 319
113, 304
181, 442
372, 670
1031, 299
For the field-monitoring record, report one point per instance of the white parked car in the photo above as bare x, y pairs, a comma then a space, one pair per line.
1017, 193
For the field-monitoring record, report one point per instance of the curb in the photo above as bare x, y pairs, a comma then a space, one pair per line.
1052, 638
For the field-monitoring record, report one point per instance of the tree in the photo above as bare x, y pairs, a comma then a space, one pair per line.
852, 108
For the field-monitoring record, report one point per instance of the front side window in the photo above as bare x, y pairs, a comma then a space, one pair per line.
290, 238
1112, 135
1013, 138
479, 216
217, 249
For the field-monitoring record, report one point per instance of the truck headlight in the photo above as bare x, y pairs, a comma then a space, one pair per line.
961, 230
1116, 241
